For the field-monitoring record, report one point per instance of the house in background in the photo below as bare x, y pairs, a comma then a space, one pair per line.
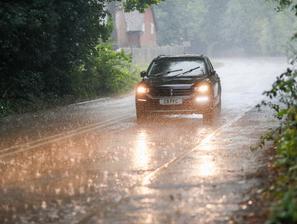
133, 29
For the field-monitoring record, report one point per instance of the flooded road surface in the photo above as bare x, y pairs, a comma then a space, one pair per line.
92, 163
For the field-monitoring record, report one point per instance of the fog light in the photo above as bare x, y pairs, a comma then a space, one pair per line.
141, 100
202, 99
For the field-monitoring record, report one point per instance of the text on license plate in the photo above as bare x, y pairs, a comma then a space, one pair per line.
171, 101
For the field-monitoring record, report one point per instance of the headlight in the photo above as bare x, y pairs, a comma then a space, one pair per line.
203, 88
142, 90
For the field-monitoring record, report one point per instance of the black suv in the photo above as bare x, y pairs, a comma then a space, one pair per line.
179, 84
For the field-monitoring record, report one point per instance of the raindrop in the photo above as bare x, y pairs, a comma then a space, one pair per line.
59, 202
118, 198
209, 206
105, 175
57, 191
81, 190
71, 189
243, 207
43, 205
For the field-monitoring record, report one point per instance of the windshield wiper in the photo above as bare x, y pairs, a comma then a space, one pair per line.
186, 72
166, 73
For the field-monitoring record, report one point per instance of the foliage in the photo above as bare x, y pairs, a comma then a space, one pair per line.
283, 100
42, 40
225, 26
286, 209
44, 43
284, 4
107, 72
140, 5
287, 4
184, 25
284, 90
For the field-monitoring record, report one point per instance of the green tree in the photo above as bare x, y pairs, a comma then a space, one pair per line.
43, 42
179, 20
249, 27
253, 26
140, 5
282, 99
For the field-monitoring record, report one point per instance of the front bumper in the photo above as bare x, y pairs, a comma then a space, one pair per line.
189, 105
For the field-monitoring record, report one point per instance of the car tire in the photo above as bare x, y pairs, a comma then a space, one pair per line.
209, 116
141, 114
213, 114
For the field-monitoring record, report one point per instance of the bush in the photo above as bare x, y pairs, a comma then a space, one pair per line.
106, 72
283, 100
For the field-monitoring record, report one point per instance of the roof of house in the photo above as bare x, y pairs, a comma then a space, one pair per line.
134, 21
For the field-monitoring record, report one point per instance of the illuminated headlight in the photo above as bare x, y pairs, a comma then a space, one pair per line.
142, 90
202, 99
204, 88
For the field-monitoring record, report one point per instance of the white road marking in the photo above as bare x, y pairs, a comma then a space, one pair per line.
149, 177
50, 139
91, 101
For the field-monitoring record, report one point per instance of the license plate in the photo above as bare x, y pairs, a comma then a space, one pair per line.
171, 101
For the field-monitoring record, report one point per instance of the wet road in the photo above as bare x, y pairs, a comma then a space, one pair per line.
92, 163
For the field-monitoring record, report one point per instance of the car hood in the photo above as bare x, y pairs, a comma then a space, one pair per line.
184, 82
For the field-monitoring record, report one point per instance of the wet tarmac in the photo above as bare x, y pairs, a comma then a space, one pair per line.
92, 162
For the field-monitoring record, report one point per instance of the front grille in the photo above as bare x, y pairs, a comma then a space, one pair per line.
170, 92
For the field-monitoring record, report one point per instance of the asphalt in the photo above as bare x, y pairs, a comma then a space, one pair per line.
92, 163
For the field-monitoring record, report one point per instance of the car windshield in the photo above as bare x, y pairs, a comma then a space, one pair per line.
175, 68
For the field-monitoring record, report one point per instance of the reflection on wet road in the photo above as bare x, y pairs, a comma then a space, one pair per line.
174, 169
142, 156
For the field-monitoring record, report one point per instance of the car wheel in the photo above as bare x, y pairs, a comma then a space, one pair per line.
209, 116
213, 115
141, 114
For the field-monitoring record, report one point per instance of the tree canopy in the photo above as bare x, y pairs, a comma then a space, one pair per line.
46, 46
226, 26
43, 42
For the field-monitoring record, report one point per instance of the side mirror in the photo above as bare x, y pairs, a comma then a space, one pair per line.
143, 74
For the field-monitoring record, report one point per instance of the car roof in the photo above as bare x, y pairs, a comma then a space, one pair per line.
161, 57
